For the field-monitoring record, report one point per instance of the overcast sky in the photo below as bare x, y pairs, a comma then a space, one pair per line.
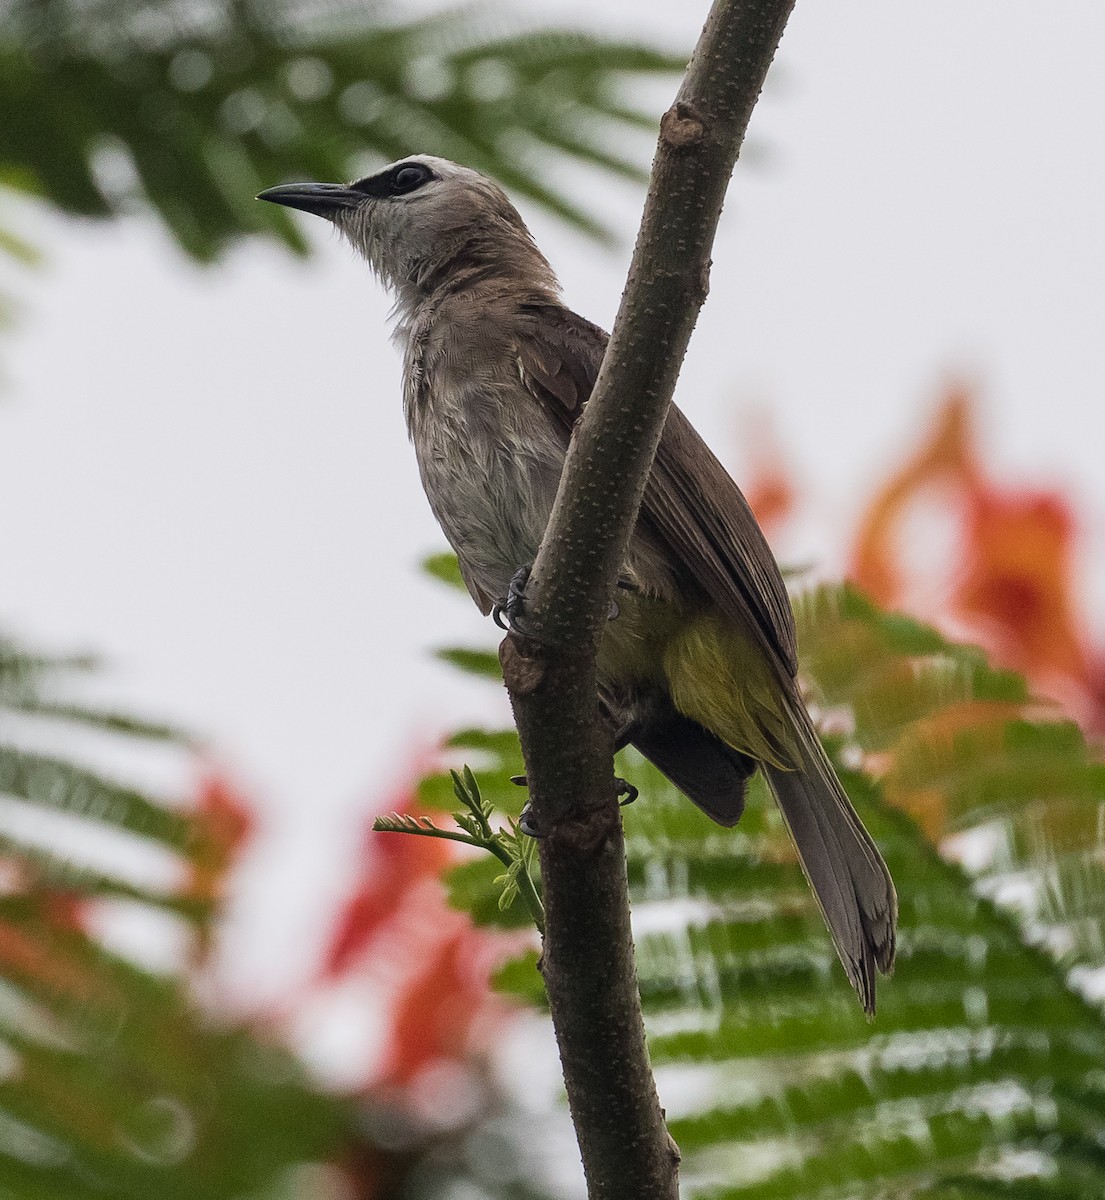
206, 476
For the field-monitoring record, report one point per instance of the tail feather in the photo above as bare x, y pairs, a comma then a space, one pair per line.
702, 766
844, 867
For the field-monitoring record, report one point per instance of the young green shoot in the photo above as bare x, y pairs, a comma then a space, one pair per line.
514, 849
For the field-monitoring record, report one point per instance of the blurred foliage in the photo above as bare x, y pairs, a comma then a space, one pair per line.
33, 707
123, 1082
113, 1080
982, 1074
193, 106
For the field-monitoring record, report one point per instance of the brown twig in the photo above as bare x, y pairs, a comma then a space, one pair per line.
588, 951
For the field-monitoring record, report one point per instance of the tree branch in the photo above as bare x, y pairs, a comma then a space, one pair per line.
588, 951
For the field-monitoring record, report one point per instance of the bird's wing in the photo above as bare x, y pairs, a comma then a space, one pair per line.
484, 602
690, 503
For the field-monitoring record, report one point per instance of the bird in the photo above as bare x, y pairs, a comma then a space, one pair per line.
698, 668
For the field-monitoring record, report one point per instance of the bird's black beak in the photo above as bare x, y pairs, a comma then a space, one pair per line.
322, 199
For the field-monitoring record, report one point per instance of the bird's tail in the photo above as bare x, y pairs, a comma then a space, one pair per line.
843, 865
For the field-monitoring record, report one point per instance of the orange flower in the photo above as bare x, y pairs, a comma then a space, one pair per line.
1016, 582
1009, 580
947, 461
768, 489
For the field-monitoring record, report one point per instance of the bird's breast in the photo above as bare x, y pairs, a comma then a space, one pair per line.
490, 454
490, 461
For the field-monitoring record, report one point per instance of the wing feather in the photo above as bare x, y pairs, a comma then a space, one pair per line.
690, 503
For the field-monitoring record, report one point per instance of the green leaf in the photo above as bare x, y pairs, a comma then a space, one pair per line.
521, 979
444, 566
53, 783
109, 722
502, 760
484, 663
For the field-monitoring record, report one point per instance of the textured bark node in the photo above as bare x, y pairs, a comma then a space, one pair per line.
681, 126
587, 959
522, 664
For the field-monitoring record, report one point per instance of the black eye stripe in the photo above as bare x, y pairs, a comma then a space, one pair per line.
397, 181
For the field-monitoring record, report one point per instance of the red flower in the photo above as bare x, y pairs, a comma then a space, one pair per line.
429, 963
442, 1012
1016, 581
227, 822
393, 867
1008, 582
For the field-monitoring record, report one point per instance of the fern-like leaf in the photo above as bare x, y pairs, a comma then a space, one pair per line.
111, 106
981, 1074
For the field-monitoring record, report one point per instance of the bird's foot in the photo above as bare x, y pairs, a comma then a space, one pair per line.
525, 819
507, 614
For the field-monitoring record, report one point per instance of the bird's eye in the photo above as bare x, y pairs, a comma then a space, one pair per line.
406, 179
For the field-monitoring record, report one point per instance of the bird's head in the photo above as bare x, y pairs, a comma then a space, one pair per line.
421, 221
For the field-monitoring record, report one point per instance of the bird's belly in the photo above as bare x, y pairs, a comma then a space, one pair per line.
492, 492
490, 467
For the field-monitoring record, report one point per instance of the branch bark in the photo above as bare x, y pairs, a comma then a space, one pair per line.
588, 950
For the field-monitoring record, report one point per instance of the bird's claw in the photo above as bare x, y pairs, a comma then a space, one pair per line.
526, 825
525, 819
625, 585
626, 789
507, 614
